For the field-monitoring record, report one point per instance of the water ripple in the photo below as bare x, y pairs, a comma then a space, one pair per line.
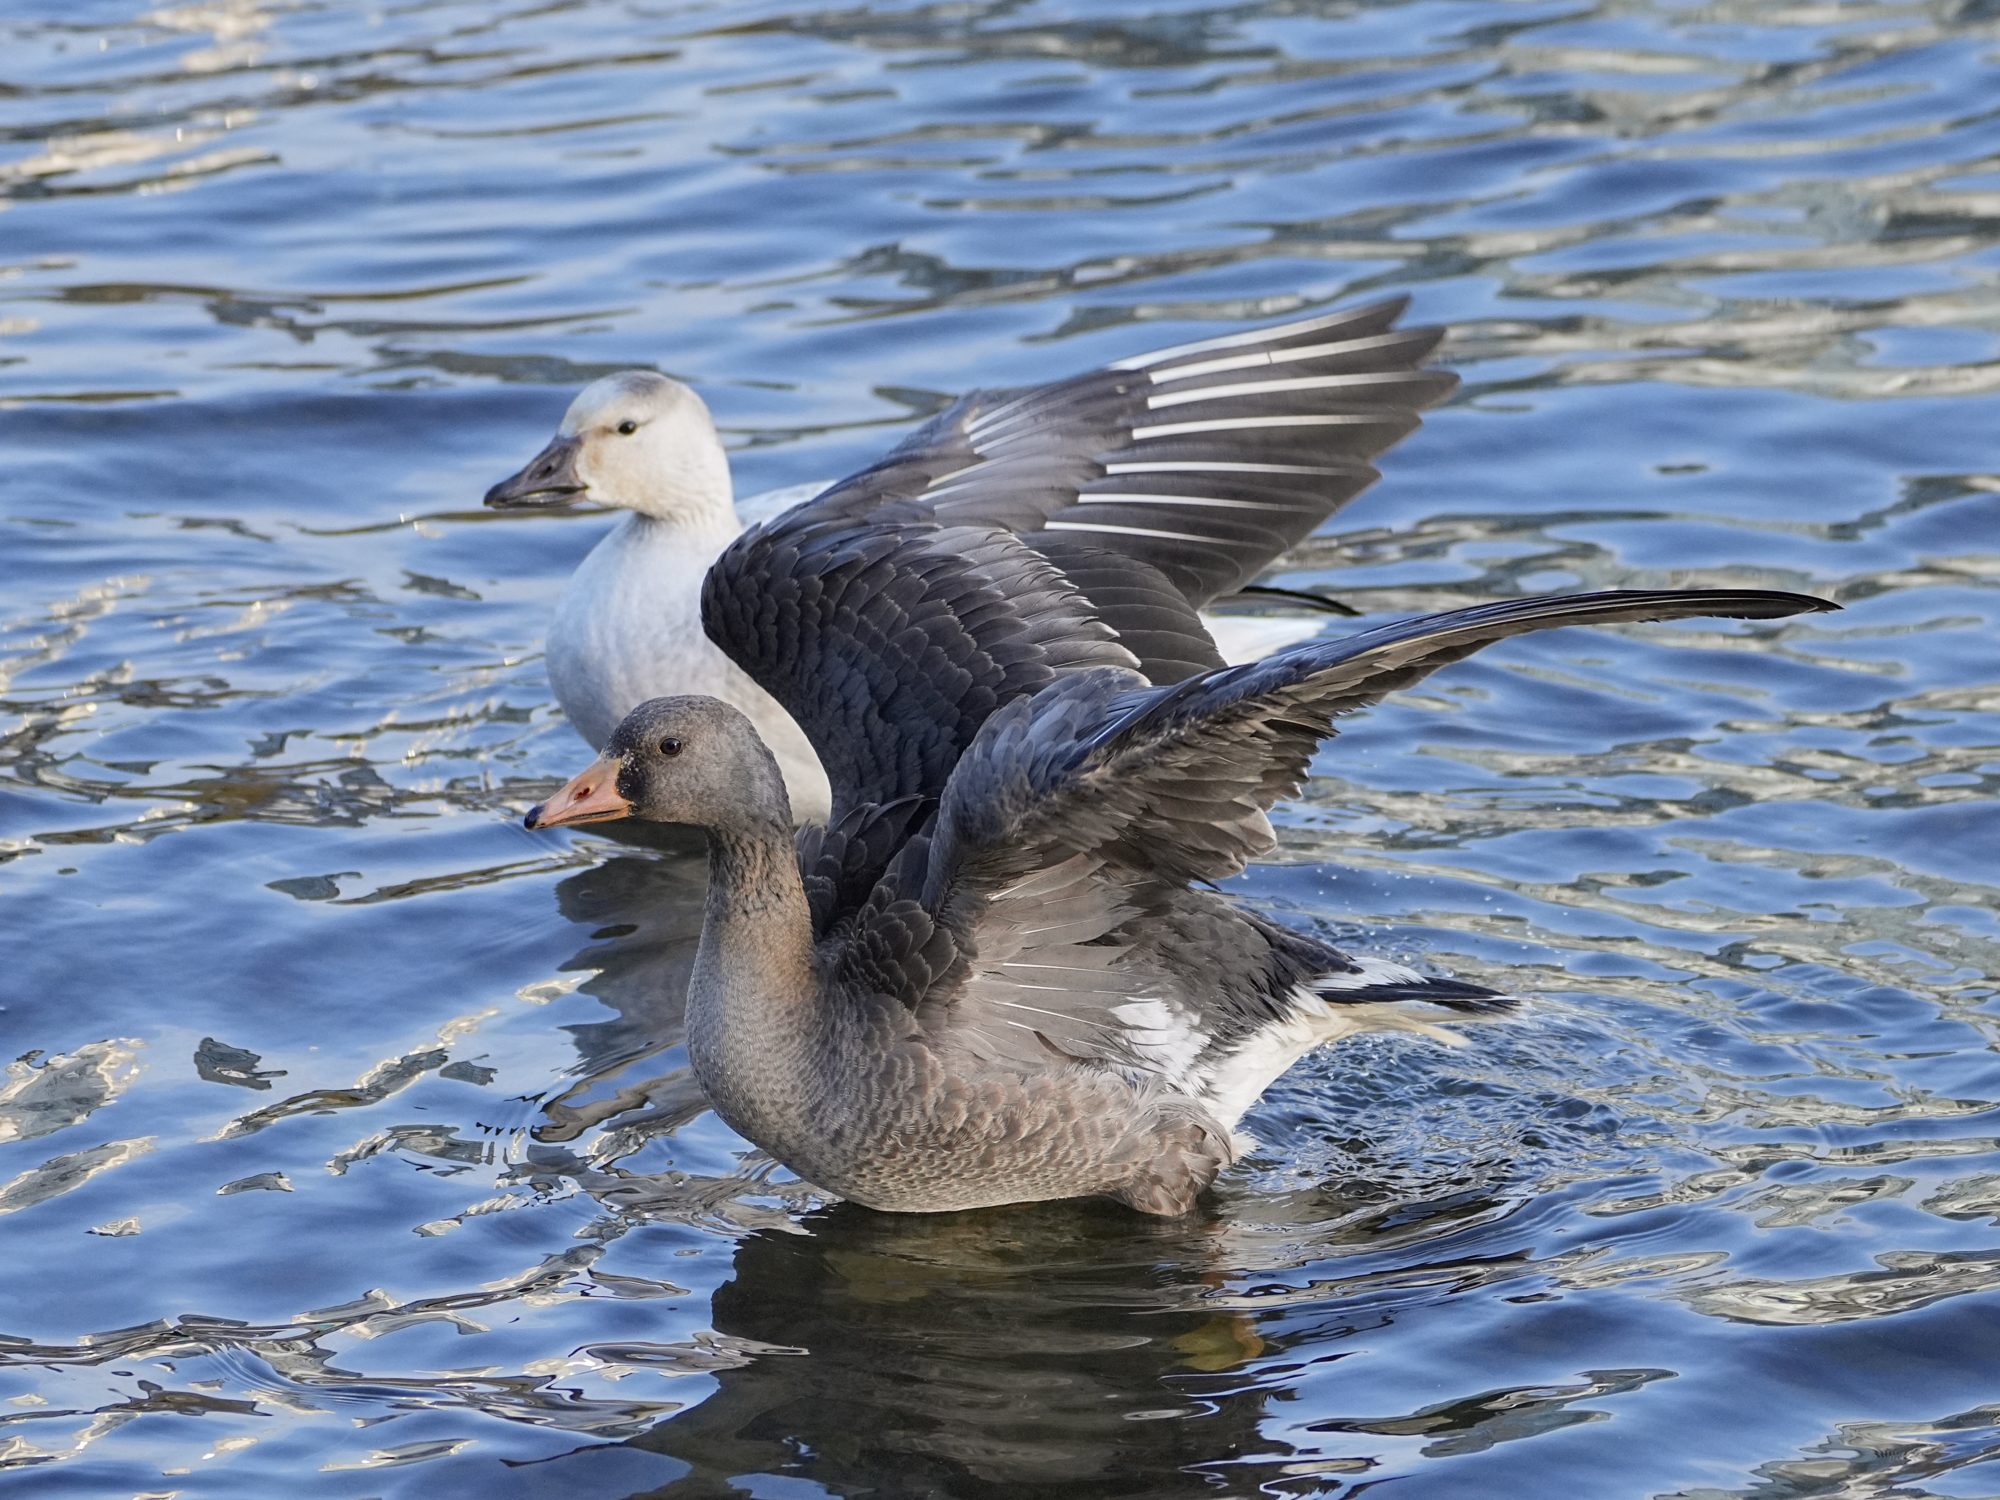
334, 1092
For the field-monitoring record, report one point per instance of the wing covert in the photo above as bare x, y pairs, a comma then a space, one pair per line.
891, 645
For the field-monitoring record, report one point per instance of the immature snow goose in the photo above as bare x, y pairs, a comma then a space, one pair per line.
992, 977
1206, 461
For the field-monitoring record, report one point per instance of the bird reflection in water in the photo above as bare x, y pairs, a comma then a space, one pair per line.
644, 916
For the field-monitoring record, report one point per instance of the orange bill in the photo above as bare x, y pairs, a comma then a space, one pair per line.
591, 796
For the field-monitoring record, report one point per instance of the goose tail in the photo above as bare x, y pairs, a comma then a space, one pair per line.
1370, 995
1377, 995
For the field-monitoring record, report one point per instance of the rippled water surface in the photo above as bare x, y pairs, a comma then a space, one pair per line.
347, 1146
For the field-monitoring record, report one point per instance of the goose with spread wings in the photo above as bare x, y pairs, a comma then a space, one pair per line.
999, 973
1205, 461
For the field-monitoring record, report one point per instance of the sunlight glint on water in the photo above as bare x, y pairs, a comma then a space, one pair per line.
347, 1145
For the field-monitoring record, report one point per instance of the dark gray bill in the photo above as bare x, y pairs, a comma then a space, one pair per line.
549, 478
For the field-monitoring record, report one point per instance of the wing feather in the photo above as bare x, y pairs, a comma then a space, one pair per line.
895, 610
1176, 780
890, 646
1050, 913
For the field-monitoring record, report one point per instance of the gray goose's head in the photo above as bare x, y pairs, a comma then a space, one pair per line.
689, 760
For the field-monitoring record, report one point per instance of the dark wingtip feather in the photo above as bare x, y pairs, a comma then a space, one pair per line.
1756, 604
1603, 607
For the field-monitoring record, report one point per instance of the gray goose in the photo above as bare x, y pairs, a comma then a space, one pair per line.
1207, 460
996, 975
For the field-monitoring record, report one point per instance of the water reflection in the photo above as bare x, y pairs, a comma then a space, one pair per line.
1044, 1350
646, 919
1878, 1458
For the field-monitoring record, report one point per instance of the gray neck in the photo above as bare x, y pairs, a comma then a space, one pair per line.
753, 1004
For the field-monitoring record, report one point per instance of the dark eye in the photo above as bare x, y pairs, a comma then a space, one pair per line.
627, 427
670, 746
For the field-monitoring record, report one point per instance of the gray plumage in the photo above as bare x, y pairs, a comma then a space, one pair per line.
1204, 461
990, 978
1161, 483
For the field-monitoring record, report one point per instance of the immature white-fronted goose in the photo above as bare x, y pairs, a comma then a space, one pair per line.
994, 976
1206, 461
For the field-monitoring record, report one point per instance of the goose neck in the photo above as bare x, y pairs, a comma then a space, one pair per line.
697, 534
753, 1002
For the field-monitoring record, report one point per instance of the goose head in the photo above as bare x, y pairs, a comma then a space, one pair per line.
633, 441
690, 759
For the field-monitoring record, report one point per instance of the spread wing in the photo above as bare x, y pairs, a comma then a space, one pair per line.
1204, 461
1051, 907
1176, 780
1021, 534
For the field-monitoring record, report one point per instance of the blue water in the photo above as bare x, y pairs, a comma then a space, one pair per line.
347, 1147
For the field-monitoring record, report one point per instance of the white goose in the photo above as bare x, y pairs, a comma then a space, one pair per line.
1203, 463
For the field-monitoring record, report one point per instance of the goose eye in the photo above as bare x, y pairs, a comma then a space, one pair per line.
627, 427
670, 746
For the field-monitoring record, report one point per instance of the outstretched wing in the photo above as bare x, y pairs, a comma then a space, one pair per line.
1021, 534
1204, 461
1049, 912
1176, 781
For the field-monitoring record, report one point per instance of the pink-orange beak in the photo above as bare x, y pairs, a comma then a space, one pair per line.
591, 796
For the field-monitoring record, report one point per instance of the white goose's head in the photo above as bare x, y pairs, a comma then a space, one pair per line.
635, 441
